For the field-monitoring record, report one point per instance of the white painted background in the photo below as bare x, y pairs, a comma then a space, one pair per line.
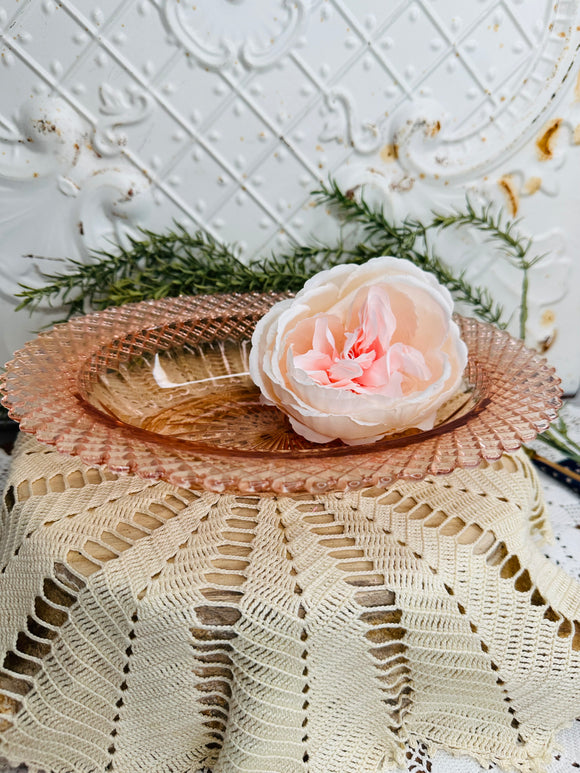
224, 114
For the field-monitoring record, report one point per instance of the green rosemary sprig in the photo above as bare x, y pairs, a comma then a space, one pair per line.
490, 221
505, 233
156, 266
371, 221
182, 263
478, 298
557, 437
178, 262
410, 241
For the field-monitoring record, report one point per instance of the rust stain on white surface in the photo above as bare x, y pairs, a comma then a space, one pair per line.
389, 153
532, 185
510, 190
546, 343
548, 317
546, 142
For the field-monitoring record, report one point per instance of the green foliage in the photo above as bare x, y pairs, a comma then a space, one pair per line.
557, 437
514, 246
179, 263
409, 240
182, 263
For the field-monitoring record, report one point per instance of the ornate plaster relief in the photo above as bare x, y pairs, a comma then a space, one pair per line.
225, 114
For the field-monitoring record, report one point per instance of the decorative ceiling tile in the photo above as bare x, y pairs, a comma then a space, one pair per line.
226, 114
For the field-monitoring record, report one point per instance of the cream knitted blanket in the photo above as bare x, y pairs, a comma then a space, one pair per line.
150, 628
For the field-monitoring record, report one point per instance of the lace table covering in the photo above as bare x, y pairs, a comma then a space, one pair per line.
150, 628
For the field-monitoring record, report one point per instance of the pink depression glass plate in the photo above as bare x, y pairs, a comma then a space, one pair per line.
160, 389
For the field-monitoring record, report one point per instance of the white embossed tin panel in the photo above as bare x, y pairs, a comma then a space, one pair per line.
225, 114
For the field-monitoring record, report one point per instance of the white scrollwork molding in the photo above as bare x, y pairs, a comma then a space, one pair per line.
218, 32
227, 113
344, 123
60, 196
119, 110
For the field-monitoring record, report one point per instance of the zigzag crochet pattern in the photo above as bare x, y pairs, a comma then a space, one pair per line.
151, 628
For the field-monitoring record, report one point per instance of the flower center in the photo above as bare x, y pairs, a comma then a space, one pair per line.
367, 361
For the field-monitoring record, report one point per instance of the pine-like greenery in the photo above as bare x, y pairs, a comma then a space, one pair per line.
513, 245
557, 437
178, 262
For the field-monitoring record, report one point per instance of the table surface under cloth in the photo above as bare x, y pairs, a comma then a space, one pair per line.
149, 628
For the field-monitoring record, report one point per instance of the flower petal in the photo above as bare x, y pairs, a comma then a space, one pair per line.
361, 352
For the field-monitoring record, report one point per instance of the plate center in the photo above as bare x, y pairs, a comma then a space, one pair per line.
200, 393
203, 394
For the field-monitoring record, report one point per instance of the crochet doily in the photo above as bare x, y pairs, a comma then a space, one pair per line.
150, 628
